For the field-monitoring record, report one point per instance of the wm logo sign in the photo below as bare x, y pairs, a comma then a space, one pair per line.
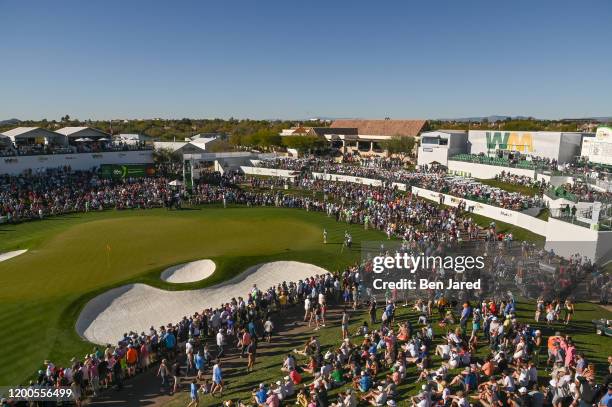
513, 141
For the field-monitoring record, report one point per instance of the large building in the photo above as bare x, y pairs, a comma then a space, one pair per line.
317, 131
446, 145
382, 128
361, 136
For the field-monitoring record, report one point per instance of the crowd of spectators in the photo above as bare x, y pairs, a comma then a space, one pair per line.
521, 180
11, 150
38, 194
369, 363
432, 178
580, 192
442, 353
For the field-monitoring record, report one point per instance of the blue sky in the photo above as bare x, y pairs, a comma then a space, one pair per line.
289, 59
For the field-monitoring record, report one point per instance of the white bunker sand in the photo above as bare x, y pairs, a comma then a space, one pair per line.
10, 255
137, 307
189, 272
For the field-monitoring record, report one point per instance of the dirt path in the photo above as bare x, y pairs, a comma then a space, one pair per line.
145, 389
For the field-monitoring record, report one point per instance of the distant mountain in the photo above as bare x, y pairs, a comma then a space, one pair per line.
492, 118
497, 118
9, 121
602, 119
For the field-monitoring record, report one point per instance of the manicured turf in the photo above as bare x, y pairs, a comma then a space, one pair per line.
73, 258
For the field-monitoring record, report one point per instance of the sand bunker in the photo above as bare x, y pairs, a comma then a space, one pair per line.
137, 307
10, 255
189, 272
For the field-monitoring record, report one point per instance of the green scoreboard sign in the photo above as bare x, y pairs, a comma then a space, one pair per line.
121, 171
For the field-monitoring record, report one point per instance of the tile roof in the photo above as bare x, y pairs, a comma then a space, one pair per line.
383, 127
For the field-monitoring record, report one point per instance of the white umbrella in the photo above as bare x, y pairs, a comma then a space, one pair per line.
103, 139
176, 183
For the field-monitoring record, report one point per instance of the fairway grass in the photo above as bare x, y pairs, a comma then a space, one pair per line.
73, 258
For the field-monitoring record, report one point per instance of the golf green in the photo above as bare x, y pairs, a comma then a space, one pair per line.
71, 259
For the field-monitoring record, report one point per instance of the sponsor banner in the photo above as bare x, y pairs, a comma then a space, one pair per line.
122, 171
77, 161
510, 140
542, 144
269, 172
347, 178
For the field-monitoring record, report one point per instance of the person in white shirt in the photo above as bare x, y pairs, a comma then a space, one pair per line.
507, 382
306, 308
220, 343
280, 390
268, 327
288, 364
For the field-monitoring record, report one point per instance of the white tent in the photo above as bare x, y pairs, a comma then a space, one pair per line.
76, 132
31, 135
4, 140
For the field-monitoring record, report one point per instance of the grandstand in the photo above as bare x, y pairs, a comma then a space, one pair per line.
497, 161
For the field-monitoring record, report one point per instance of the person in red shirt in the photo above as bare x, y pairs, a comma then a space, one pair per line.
144, 356
246, 341
131, 357
295, 377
